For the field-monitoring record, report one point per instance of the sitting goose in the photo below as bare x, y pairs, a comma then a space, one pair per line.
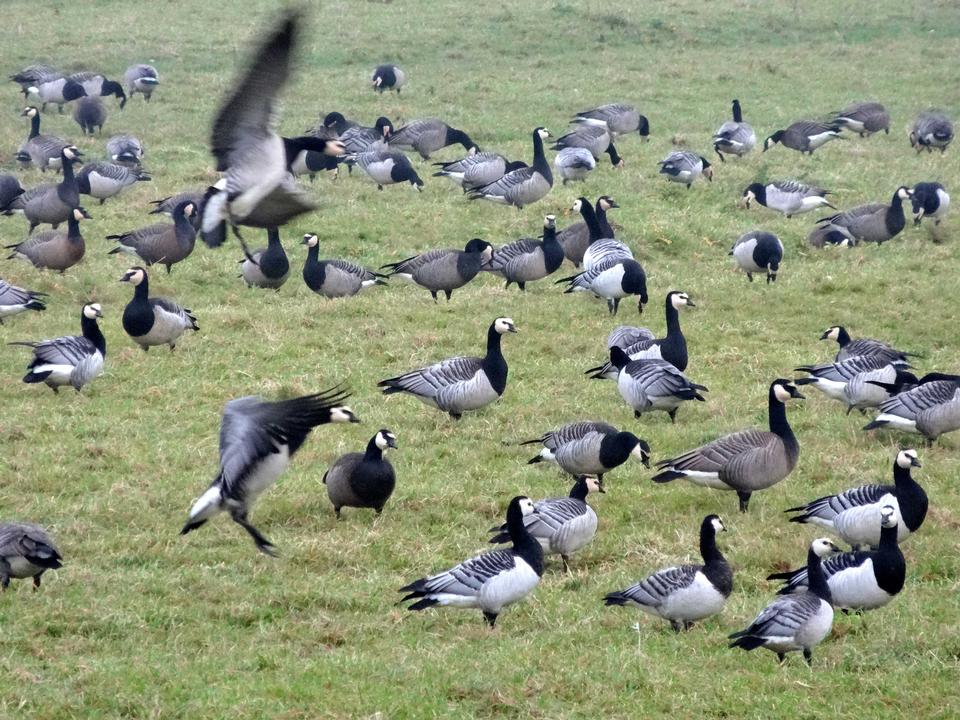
363, 480
562, 526
589, 448
125, 149
10, 189
429, 135
853, 381
478, 169
855, 515
335, 278
734, 138
684, 594
786, 196
97, 86
443, 270
931, 130
490, 581
458, 384
791, 623
618, 118
747, 461
54, 249
525, 185
931, 409
388, 77
70, 359
49, 203
929, 199
162, 243
267, 267
685, 167
527, 260
758, 251
153, 320
576, 238
104, 180
862, 346
648, 385
386, 166
594, 138
864, 118
42, 151
15, 300
141, 79
90, 114
574, 164
612, 279
257, 441
804, 136
875, 222
26, 551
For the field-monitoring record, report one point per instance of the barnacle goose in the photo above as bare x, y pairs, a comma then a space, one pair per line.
932, 408
786, 196
864, 118
932, 129
618, 118
104, 180
443, 270
14, 300
527, 260
267, 267
524, 185
43, 151
861, 346
153, 320
875, 222
429, 135
929, 200
589, 448
335, 278
804, 136
648, 385
612, 279
685, 167
161, 242
853, 381
758, 251
388, 77
54, 249
48, 202
26, 551
363, 480
734, 137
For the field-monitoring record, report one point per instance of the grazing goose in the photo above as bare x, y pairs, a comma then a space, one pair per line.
307, 155
792, 623
931, 409
49, 203
574, 164
786, 196
589, 448
830, 235
388, 77
166, 205
859, 580
104, 180
804, 136
684, 594
612, 279
734, 138
862, 346
601, 246
875, 222
851, 381
864, 118
257, 440
525, 185
267, 267
153, 320
478, 169
125, 149
929, 199
10, 189
648, 385
429, 135
71, 359
458, 384
162, 243
575, 239
618, 118
141, 79
443, 270
58, 91
96, 85
685, 167
931, 130
357, 138
15, 300
26, 551
747, 461
594, 138
363, 480
527, 260
490, 581
42, 151
561, 525
335, 278
855, 515
758, 251
34, 75
54, 249
386, 166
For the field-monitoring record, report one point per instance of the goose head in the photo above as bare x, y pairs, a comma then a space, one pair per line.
707, 171
784, 390
607, 202
641, 450
593, 484
542, 132
832, 333
71, 154
134, 276
904, 193
385, 439
310, 240
343, 414
384, 126
888, 516
679, 299
80, 213
29, 112
822, 547
331, 120
772, 140
549, 222
750, 195
92, 311
908, 459
504, 325
715, 522
644, 129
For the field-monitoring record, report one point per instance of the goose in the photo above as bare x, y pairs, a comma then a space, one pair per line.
830, 235
854, 515
332, 126
477, 169
623, 336
58, 91
49, 203
747, 461
861, 346
153, 320
612, 279
576, 238
429, 135
859, 580
26, 551
363, 480
601, 245
104, 180
734, 138
574, 164
257, 440
804, 136
851, 381
33, 75
527, 260
789, 197
594, 138
335, 278
648, 385
458, 384
685, 167
791, 623
562, 526
758, 251
684, 594
267, 267
931, 130
10, 189
307, 155
15, 300
875, 222
42, 151
125, 149
386, 166
388, 77
161, 243
525, 185
141, 79
357, 138
443, 270
589, 448
54, 249
71, 359
618, 118
864, 118
96, 85
931, 409
166, 205
490, 581
929, 199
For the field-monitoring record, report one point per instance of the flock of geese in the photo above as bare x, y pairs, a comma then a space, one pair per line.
258, 438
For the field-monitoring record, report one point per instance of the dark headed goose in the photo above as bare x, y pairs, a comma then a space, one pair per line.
335, 278
862, 346
49, 203
931, 130
852, 381
574, 164
477, 169
26, 551
747, 461
443, 270
931, 409
54, 249
576, 238
257, 440
153, 320
90, 114
10, 189
429, 135
490, 581
357, 138
734, 137
525, 185
648, 385
267, 267
97, 86
612, 279
387, 166
388, 77
786, 196
684, 594
363, 480
685, 167
527, 260
864, 118
162, 243
72, 359
791, 623
601, 245
141, 79
854, 515
804, 136
458, 384
43, 151
758, 251
58, 91
596, 139
830, 236
307, 155
104, 180
618, 118
125, 149
589, 448
875, 222
929, 199
15, 300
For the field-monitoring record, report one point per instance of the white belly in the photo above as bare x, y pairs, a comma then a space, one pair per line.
508, 587
698, 600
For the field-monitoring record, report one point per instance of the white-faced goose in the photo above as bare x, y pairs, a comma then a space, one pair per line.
51, 203
684, 594
443, 270
363, 480
589, 448
734, 137
804, 136
141, 79
429, 135
574, 164
929, 200
601, 245
875, 222
477, 169
864, 118
786, 196
54, 249
685, 167
42, 151
26, 551
594, 138
71, 359
564, 434
97, 85
612, 279
335, 278
527, 260
855, 515
162, 243
747, 461
58, 91
798, 622
618, 118
931, 130
15, 300
525, 185
308, 155
10, 189
388, 77
267, 267
104, 180
861, 346
34, 75
649, 385
853, 381
758, 251
931, 409
576, 238
386, 166
153, 321
125, 149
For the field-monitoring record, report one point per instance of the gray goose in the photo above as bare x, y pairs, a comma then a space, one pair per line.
386, 166
267, 267
525, 185
875, 222
786, 196
335, 278
153, 321
574, 164
758, 251
166, 205
34, 75
575, 239
613, 280
685, 167
854, 381
141, 79
649, 385
125, 149
443, 270
26, 551
589, 448
527, 260
429, 135
618, 118
477, 169
49, 203
861, 346
58, 91
15, 300
864, 118
54, 249
42, 151
931, 409
388, 77
363, 480
931, 130
97, 85
804, 136
595, 138
104, 180
162, 243
90, 114
734, 137
10, 189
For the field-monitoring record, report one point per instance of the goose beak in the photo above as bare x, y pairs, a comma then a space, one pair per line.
691, 303
915, 463
392, 443
794, 393
826, 335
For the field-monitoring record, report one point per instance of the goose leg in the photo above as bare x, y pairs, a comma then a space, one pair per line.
434, 294
744, 500
448, 293
566, 563
808, 656
336, 511
780, 658
491, 618
36, 581
263, 545
673, 415
676, 625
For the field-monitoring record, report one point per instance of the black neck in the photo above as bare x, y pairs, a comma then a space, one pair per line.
708, 544
816, 580
737, 115
373, 451
911, 497
540, 163
778, 418
273, 237
73, 228
142, 291
68, 176
524, 543
313, 254
602, 221
888, 538
91, 331
580, 491
34, 126
458, 136
673, 318
590, 218
494, 364
843, 337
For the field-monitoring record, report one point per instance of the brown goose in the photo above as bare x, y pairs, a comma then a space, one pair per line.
42, 151
50, 203
875, 222
162, 243
864, 118
54, 249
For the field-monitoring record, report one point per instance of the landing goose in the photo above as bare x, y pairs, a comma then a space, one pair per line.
363, 480
429, 135
267, 267
42, 151
852, 381
141, 79
527, 260
386, 166
684, 594
786, 196
51, 203
335, 278
929, 200
574, 164
861, 346
458, 384
875, 222
26, 551
104, 180
734, 138
490, 581
758, 251
612, 279
388, 77
747, 461
125, 149
58, 91
792, 623
804, 136
10, 189
34, 75
97, 86
477, 169
931, 409
589, 448
601, 245
443, 270
618, 118
931, 130
153, 321
685, 167
525, 185
575, 239
162, 243
854, 515
649, 385
71, 359
257, 440
594, 138
864, 118
54, 249
15, 300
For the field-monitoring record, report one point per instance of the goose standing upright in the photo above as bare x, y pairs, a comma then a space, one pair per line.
525, 185
862, 346
15, 300
162, 243
734, 138
54, 249
576, 238
363, 480
875, 222
26, 551
443, 270
42, 151
267, 267
335, 278
601, 245
49, 203
153, 320
527, 260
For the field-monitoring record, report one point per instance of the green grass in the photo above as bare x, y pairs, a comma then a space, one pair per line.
143, 623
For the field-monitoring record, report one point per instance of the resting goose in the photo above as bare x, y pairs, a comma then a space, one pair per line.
50, 203
931, 130
576, 238
477, 169
684, 594
257, 440
574, 164
125, 149
42, 151
864, 118
388, 77
97, 85
335, 278
589, 448
26, 551
685, 167
10, 189
758, 251
443, 270
141, 79
429, 135
104, 180
648, 385
734, 138
929, 200
596, 139
15, 300
875, 222
54, 249
363, 480
162, 243
853, 381
267, 267
804, 136
153, 320
618, 118
931, 409
527, 260
786, 196
862, 346
525, 185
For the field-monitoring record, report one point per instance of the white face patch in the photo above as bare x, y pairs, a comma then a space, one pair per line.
543, 133
823, 547
905, 458
717, 525
311, 240
576, 206
504, 325
637, 452
342, 414
679, 300
526, 506
833, 333
781, 393
593, 485
92, 311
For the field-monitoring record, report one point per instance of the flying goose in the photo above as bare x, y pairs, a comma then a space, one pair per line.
42, 151
931, 409
477, 169
58, 91
104, 180
648, 385
386, 166
734, 138
618, 118
335, 278
562, 526
574, 164
458, 384
51, 203
684, 594
429, 135
855, 515
791, 623
601, 245
862, 346
758, 251
929, 199
15, 300
162, 243
141, 79
852, 381
388, 77
33, 75
26, 551
54, 249
257, 440
685, 167
527, 260
125, 149
589, 448
70, 359
10, 189
267, 267
490, 581
875, 222
931, 130
443, 270
575, 239
612, 279
153, 320
864, 118
525, 185
96, 85
786, 196
804, 136
363, 480
747, 461
594, 138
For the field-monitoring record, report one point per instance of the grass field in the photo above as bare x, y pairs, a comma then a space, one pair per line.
144, 623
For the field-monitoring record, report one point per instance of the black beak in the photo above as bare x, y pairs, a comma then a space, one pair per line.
915, 463
794, 393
